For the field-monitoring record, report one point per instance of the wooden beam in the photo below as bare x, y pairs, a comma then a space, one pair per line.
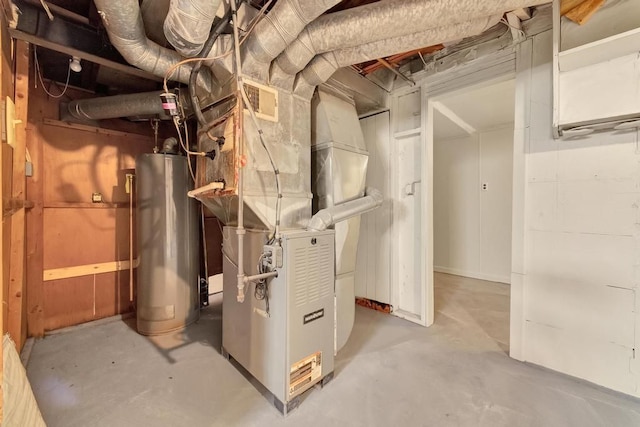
93, 129
16, 298
456, 119
515, 25
34, 240
6, 90
395, 71
371, 66
87, 56
85, 205
582, 13
567, 5
87, 270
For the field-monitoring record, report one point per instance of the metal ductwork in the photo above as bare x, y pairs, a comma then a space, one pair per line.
339, 160
110, 107
379, 21
123, 22
188, 23
328, 217
279, 28
322, 67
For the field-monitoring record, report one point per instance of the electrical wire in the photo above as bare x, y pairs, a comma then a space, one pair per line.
154, 125
184, 147
66, 85
261, 290
204, 247
245, 99
254, 119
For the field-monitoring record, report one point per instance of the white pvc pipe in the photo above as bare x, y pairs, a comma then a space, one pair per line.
240, 231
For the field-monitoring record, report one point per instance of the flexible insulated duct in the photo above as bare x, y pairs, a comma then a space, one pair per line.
188, 23
110, 107
323, 66
279, 28
325, 218
379, 21
123, 22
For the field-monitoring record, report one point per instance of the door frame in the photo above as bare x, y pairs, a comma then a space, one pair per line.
491, 69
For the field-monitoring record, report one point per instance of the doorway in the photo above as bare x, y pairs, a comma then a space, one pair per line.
472, 146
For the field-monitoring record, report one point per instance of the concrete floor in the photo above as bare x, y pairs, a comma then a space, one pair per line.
391, 373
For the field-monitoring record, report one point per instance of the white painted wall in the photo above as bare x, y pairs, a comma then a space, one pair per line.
373, 265
472, 227
456, 205
576, 245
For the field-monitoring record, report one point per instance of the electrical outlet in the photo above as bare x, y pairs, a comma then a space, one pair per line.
485, 186
96, 197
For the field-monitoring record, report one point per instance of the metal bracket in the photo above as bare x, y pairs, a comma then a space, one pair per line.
410, 189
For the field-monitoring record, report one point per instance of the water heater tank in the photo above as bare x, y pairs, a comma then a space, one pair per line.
168, 245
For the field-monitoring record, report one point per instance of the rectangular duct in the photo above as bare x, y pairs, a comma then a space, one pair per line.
284, 120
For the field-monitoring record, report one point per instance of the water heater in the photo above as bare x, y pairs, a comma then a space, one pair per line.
168, 242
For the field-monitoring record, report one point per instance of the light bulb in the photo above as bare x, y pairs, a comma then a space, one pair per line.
75, 65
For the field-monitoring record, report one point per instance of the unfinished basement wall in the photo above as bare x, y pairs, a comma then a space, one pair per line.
576, 244
69, 237
472, 226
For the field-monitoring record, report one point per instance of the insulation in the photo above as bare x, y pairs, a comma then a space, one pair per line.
188, 23
322, 67
379, 21
19, 405
123, 22
279, 28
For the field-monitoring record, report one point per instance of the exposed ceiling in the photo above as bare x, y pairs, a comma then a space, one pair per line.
478, 108
101, 79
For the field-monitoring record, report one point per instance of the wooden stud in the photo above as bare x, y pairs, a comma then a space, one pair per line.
87, 270
34, 240
93, 129
16, 298
567, 5
6, 89
582, 13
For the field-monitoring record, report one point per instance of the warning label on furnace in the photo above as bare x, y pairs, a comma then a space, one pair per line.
305, 373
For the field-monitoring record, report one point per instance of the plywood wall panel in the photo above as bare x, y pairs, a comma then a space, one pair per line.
82, 299
112, 294
68, 302
81, 236
70, 164
79, 163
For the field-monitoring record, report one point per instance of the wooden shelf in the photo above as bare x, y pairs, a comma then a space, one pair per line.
600, 51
